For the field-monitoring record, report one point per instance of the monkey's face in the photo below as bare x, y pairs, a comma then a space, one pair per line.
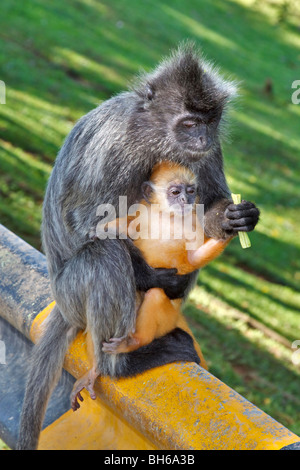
180, 197
179, 130
196, 132
175, 197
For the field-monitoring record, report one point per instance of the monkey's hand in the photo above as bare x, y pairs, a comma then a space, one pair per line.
174, 285
241, 217
147, 277
225, 219
124, 344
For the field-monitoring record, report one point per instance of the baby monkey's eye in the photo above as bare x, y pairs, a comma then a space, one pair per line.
175, 192
190, 190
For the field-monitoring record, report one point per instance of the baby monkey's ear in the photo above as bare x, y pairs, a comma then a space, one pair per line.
148, 190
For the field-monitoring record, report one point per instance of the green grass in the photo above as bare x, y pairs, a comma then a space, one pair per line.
60, 59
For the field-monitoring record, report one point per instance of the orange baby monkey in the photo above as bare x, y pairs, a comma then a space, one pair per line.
165, 240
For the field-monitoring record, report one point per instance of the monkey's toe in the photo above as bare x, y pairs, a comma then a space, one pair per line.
85, 382
75, 396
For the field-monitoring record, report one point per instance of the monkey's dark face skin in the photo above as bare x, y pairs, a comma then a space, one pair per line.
196, 132
181, 194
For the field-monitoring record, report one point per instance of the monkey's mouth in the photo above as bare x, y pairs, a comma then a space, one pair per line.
195, 153
196, 148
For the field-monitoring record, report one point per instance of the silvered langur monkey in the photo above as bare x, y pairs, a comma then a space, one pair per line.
175, 113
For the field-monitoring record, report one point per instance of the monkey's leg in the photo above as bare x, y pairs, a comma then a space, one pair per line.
156, 317
97, 288
87, 380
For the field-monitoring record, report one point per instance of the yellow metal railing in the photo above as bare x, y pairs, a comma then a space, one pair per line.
176, 406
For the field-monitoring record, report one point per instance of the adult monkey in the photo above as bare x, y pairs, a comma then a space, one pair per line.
173, 113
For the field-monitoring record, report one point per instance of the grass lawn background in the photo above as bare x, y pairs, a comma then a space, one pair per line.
61, 59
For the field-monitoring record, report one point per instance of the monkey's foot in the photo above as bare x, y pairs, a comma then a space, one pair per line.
123, 344
87, 381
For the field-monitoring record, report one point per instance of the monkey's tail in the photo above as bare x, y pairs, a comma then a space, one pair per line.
45, 369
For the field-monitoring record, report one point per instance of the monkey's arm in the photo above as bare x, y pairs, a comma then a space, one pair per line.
207, 252
222, 218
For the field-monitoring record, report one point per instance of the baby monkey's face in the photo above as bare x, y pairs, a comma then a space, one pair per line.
176, 196
179, 195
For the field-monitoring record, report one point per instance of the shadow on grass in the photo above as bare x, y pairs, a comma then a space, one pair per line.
113, 34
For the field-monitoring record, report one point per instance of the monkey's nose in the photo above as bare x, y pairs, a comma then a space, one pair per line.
205, 141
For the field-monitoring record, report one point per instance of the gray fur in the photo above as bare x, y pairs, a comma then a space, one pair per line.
44, 375
111, 152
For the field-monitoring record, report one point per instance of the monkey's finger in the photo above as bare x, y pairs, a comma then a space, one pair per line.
245, 228
244, 212
230, 229
226, 226
112, 345
243, 222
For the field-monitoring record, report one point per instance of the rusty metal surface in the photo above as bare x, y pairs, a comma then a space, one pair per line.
24, 283
13, 373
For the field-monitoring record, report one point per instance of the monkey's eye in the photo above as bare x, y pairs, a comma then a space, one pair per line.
189, 124
190, 190
175, 192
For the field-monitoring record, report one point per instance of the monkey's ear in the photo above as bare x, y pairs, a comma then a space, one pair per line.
147, 190
149, 92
